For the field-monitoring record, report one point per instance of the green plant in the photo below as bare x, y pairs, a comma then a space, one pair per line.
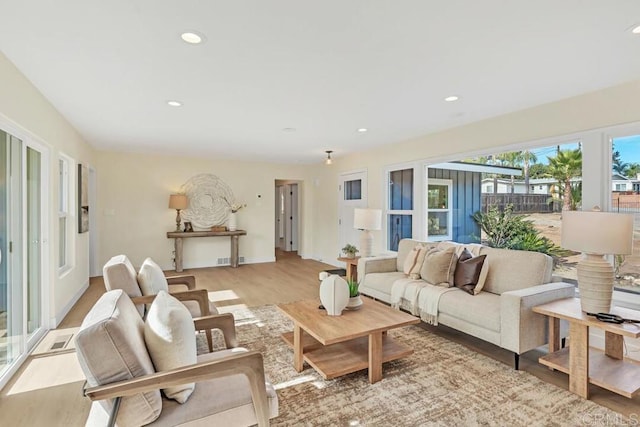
504, 229
350, 250
353, 287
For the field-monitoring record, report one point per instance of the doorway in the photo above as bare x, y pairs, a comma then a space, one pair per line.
352, 193
23, 214
287, 214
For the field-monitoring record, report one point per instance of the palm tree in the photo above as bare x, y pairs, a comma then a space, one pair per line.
565, 165
528, 158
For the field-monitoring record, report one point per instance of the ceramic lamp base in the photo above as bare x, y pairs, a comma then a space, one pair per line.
595, 283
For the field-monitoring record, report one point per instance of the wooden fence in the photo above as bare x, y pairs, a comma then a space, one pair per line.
522, 203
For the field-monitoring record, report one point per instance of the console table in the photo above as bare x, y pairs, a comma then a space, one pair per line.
608, 369
179, 235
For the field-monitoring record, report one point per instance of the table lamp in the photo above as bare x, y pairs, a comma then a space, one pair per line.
596, 234
367, 220
178, 202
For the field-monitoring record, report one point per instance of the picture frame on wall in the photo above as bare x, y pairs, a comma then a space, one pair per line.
83, 198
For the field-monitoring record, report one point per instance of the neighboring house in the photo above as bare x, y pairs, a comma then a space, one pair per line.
621, 183
453, 196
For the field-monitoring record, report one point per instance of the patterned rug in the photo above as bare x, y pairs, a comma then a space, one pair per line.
442, 384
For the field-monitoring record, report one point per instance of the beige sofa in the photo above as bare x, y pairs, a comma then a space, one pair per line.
501, 313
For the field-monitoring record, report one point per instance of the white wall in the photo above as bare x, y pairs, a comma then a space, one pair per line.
23, 105
133, 217
559, 121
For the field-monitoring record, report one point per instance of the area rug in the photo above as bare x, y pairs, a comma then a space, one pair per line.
442, 384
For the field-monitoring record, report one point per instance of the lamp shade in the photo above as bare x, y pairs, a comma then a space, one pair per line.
177, 201
367, 219
595, 232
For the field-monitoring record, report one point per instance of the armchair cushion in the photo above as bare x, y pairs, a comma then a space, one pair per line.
118, 273
170, 337
110, 348
151, 278
232, 404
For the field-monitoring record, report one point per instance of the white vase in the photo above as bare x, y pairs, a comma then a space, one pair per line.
232, 223
334, 294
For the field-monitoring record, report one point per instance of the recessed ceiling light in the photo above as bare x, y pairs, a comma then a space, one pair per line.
289, 130
175, 103
636, 29
363, 130
192, 37
451, 98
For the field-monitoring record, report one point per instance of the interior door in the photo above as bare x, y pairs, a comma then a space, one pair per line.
352, 193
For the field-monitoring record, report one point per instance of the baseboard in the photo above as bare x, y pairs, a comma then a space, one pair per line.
55, 321
207, 264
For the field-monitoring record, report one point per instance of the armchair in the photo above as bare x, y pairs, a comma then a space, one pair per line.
124, 386
118, 273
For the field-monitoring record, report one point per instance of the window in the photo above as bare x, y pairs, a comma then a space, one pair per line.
488, 188
439, 213
353, 189
65, 209
621, 187
399, 207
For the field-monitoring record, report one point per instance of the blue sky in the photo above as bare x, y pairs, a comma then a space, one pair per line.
629, 148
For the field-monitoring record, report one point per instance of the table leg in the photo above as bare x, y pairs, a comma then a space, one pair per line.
375, 357
349, 271
614, 345
234, 251
298, 360
554, 334
579, 359
177, 245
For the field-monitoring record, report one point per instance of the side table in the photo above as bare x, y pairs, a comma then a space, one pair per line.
352, 266
586, 365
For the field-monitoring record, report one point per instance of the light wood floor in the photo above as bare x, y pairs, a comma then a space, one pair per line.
48, 389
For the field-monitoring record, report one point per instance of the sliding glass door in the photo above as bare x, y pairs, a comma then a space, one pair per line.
21, 219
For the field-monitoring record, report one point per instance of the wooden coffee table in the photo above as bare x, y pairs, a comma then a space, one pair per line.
339, 345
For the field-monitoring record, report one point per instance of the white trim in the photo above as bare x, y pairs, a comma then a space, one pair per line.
207, 264
417, 224
471, 167
449, 210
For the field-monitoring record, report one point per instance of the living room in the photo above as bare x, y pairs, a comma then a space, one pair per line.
133, 182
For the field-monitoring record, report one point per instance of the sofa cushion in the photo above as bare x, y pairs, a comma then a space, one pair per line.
405, 246
413, 261
110, 348
381, 282
482, 310
151, 278
439, 267
170, 337
468, 271
511, 270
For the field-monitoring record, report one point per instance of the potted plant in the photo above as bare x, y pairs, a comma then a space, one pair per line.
350, 250
355, 302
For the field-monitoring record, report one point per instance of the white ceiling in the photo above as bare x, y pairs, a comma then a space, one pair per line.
325, 68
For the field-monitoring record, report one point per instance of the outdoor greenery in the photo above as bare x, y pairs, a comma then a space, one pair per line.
507, 230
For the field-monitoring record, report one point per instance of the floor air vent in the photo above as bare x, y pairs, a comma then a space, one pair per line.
61, 342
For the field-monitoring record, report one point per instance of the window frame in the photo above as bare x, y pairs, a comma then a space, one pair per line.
415, 213
66, 212
449, 210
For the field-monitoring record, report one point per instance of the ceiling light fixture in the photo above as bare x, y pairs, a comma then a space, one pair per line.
363, 130
192, 37
328, 160
636, 29
289, 130
451, 98
174, 103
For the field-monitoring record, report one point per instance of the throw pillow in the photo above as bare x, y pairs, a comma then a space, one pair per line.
439, 267
151, 278
170, 337
413, 261
468, 271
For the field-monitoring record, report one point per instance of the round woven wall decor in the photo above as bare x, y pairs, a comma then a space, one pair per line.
209, 200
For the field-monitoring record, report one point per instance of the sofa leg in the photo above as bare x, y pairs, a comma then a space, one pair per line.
516, 361
564, 342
